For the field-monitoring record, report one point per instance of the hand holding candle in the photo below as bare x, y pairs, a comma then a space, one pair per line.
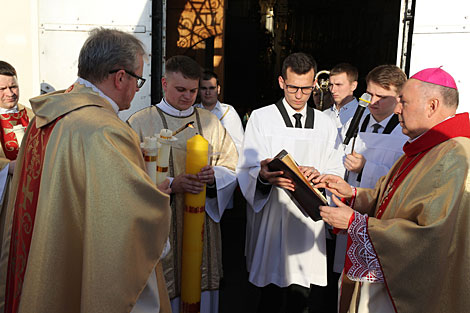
206, 175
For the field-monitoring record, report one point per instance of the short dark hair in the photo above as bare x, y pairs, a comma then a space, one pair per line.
386, 76
6, 69
350, 70
299, 63
184, 65
208, 75
106, 50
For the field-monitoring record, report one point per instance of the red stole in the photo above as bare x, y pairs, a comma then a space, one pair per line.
7, 136
25, 213
457, 126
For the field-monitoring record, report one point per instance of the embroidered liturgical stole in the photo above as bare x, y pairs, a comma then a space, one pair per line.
25, 213
7, 137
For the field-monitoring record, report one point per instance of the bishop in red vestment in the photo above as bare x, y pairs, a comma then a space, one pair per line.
408, 238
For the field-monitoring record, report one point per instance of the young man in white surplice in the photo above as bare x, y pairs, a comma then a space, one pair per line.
285, 249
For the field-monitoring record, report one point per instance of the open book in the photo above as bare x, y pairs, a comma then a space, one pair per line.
306, 197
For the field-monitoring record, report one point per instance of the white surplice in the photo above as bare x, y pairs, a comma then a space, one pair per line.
283, 246
380, 151
230, 119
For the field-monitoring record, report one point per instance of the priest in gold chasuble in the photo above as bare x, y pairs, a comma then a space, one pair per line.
175, 110
408, 238
88, 225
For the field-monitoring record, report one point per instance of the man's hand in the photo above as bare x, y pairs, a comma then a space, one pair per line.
186, 183
335, 184
206, 175
275, 178
309, 172
11, 167
337, 217
165, 186
354, 162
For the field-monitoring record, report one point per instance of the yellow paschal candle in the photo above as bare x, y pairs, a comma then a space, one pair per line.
197, 149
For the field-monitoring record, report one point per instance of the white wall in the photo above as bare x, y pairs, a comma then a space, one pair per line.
441, 37
42, 39
19, 44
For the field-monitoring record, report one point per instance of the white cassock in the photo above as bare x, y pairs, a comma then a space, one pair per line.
283, 246
380, 150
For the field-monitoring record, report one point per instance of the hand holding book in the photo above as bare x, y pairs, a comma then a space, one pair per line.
305, 196
275, 177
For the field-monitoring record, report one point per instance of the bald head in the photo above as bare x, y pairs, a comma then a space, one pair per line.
424, 105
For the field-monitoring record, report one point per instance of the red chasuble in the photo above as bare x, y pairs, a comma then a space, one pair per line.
7, 136
25, 212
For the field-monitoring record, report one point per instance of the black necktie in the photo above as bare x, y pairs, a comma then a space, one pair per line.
376, 127
297, 117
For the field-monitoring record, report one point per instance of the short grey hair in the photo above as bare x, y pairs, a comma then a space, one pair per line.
106, 50
449, 95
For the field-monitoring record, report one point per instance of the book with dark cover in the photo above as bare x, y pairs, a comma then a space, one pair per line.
306, 197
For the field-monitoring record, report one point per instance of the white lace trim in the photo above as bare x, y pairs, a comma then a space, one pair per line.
365, 264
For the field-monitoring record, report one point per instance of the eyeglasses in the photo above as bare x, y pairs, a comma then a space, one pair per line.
294, 89
140, 80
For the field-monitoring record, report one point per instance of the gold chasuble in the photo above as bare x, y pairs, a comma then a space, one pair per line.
91, 218
419, 222
149, 122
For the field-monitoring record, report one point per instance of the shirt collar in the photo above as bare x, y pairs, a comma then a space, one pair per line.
171, 110
291, 111
11, 110
348, 106
383, 123
88, 84
217, 107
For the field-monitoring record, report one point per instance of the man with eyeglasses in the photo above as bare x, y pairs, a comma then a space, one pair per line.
209, 90
285, 249
88, 225
180, 85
